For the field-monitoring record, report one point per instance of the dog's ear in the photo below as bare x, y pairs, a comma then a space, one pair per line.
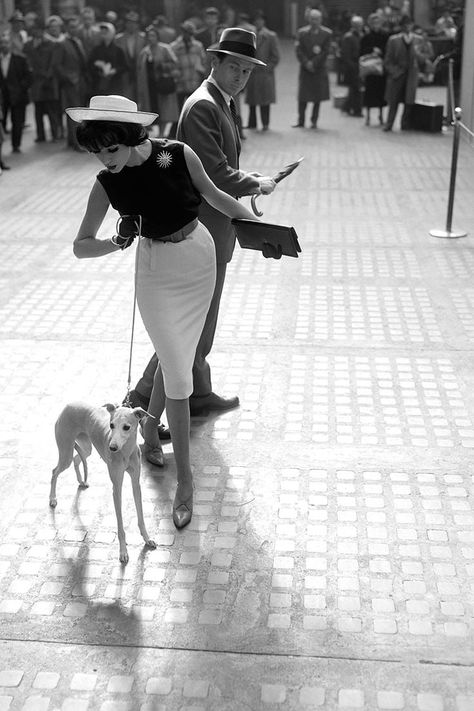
140, 413
110, 407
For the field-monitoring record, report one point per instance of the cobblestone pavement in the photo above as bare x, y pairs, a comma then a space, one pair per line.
330, 560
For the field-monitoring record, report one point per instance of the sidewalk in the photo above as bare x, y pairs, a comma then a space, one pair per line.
330, 560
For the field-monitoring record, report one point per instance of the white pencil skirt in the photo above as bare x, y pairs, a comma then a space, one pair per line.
175, 283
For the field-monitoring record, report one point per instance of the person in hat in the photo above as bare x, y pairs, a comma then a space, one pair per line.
207, 125
312, 47
403, 62
107, 63
209, 34
18, 33
190, 55
131, 41
15, 81
158, 184
260, 91
70, 66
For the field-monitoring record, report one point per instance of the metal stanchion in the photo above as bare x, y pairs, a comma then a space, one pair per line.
449, 232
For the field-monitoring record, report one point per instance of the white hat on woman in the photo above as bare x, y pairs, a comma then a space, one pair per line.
111, 108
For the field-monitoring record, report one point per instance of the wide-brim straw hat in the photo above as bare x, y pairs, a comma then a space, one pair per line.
111, 108
238, 43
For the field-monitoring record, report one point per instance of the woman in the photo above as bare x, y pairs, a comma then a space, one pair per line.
156, 62
162, 181
374, 42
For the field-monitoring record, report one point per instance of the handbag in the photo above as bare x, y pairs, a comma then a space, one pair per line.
165, 85
370, 65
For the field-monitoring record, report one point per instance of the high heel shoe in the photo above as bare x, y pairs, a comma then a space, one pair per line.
154, 455
182, 512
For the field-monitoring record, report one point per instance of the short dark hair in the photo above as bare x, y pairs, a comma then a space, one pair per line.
95, 135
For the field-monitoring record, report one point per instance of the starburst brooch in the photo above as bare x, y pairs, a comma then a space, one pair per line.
164, 159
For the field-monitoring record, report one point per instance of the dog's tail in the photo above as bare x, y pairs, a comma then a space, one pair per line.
83, 460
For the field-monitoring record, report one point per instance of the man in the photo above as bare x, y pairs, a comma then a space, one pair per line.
131, 41
71, 70
402, 63
261, 85
107, 64
312, 47
350, 52
18, 33
40, 51
209, 34
208, 126
15, 80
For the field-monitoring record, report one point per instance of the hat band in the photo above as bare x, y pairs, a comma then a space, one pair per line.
238, 47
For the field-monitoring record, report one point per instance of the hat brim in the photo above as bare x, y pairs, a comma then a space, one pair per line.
80, 113
236, 54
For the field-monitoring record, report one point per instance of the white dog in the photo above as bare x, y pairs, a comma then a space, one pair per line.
113, 432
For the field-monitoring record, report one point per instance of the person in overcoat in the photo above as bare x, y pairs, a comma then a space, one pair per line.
402, 64
156, 60
207, 125
71, 70
312, 48
15, 81
261, 85
350, 52
107, 63
131, 41
44, 92
374, 42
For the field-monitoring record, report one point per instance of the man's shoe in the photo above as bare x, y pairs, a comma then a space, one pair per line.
200, 405
16, 150
3, 166
313, 124
298, 125
387, 128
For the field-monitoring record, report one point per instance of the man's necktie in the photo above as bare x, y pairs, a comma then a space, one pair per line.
233, 110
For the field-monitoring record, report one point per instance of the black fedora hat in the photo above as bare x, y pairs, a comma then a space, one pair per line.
238, 43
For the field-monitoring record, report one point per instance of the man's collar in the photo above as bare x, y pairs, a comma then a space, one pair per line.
226, 96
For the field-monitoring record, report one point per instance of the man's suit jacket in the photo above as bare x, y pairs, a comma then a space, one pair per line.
206, 125
70, 63
14, 87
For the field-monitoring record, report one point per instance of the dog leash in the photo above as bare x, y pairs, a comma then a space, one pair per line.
127, 401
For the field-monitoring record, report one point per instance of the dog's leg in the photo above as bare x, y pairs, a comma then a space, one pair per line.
64, 462
83, 448
134, 471
116, 477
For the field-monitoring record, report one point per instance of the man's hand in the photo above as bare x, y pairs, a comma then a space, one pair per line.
266, 184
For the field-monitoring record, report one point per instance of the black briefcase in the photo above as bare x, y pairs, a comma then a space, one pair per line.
427, 116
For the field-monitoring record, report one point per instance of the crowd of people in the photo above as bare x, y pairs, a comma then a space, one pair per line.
62, 62
381, 60
59, 62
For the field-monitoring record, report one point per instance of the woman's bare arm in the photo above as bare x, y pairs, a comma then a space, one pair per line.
215, 197
86, 243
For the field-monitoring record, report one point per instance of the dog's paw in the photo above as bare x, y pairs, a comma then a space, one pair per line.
53, 503
123, 558
150, 543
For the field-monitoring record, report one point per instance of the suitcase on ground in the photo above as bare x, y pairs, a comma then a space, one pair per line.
427, 116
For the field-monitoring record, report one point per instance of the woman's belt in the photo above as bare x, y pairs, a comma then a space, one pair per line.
177, 236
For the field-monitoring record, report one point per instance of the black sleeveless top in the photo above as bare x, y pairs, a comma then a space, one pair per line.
160, 190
